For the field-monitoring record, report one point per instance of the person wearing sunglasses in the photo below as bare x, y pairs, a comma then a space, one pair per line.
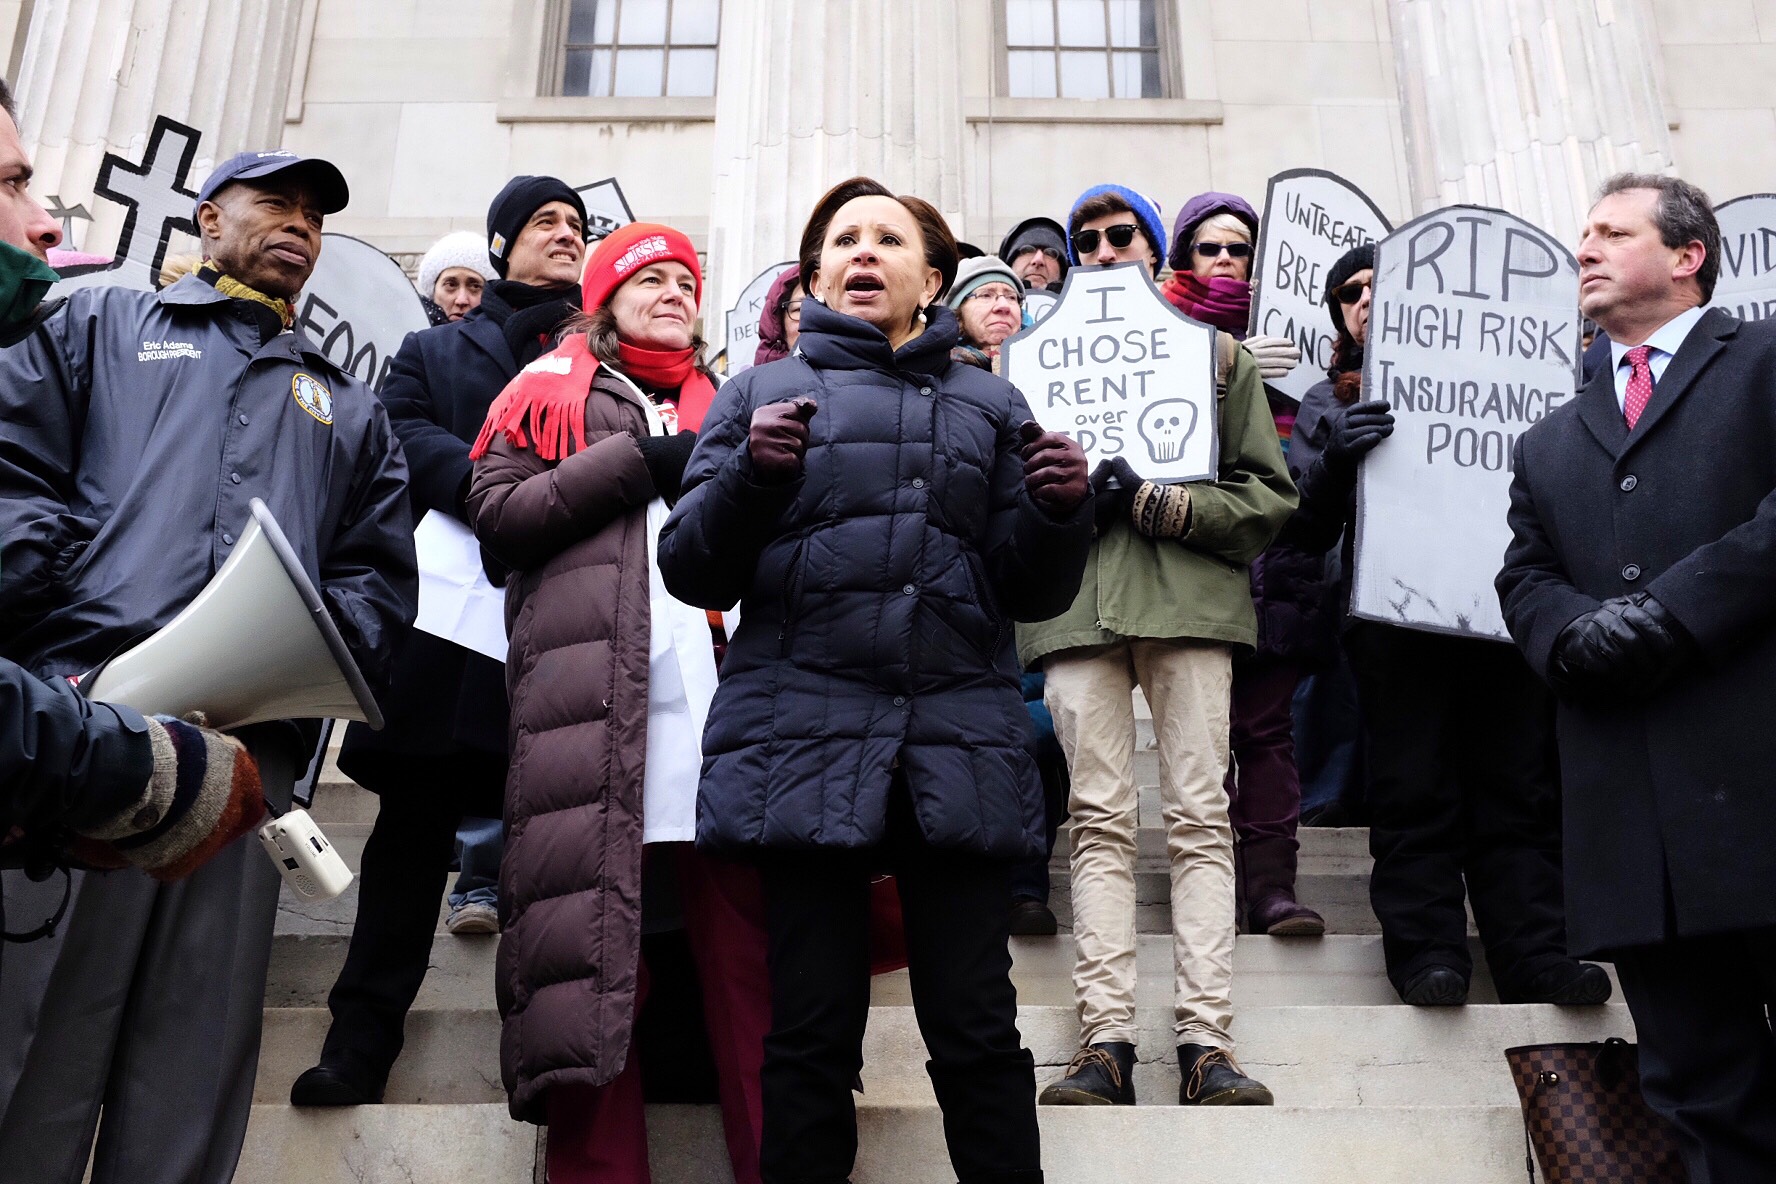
1211, 260
989, 303
1463, 791
1164, 606
1036, 249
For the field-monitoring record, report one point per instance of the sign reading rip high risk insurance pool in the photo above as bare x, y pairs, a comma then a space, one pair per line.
1120, 370
1311, 218
1473, 339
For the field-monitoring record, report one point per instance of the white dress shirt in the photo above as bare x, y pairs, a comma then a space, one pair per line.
1663, 343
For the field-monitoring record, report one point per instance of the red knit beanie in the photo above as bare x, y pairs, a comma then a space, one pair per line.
629, 249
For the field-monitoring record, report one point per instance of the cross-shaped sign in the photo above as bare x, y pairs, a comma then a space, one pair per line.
155, 193
66, 216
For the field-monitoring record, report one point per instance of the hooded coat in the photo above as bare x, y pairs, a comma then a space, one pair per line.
877, 595
773, 339
1200, 209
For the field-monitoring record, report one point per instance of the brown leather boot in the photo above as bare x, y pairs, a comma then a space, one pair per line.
1271, 906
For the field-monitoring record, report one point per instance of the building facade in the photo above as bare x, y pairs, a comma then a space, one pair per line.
727, 118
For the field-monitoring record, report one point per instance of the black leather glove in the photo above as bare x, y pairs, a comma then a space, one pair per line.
1626, 648
1113, 484
666, 457
778, 437
1357, 432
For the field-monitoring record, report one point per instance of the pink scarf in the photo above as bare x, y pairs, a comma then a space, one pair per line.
1222, 302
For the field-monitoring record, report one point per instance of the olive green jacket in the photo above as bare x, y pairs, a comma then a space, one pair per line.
1197, 586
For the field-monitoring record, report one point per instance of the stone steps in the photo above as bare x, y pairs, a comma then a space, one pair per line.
903, 1144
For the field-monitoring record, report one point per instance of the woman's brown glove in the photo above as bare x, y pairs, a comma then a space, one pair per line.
779, 438
1054, 470
203, 794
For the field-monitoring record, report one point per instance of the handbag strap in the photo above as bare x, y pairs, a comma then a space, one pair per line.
1545, 1077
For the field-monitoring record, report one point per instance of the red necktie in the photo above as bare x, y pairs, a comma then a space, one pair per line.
1640, 385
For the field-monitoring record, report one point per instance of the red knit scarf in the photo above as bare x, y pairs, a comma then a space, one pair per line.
546, 402
1219, 301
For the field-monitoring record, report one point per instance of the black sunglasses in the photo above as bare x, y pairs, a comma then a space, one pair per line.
1086, 241
1350, 293
1234, 250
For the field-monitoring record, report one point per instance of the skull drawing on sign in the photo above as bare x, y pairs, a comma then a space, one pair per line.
1166, 425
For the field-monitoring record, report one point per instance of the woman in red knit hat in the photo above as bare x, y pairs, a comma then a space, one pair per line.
610, 682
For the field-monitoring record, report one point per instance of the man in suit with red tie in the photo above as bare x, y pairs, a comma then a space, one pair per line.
1641, 583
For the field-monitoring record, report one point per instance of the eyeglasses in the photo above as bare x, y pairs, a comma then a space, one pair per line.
1086, 241
995, 295
1234, 250
792, 311
1350, 293
1048, 252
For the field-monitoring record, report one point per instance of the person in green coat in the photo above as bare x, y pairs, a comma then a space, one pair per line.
1164, 604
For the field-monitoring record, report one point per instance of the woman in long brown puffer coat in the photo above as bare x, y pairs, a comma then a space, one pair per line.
610, 681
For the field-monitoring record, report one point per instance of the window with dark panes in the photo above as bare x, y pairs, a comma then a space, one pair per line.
1083, 49
640, 48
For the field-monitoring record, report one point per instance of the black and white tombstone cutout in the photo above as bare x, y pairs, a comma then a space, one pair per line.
1473, 339
358, 307
743, 318
1747, 284
160, 202
606, 208
1120, 370
1311, 218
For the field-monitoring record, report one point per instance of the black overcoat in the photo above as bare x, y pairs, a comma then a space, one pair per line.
445, 701
1674, 797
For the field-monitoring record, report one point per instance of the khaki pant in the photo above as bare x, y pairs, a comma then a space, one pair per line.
1089, 692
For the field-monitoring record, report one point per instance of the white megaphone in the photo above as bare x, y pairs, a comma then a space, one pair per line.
255, 645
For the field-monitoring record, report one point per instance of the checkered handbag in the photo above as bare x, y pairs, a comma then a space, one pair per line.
1585, 1119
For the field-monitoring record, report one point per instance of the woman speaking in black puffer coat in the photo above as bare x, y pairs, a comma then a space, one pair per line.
882, 515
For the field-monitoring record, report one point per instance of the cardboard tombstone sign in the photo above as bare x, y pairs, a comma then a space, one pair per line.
1473, 338
606, 208
1747, 284
358, 307
1038, 303
161, 197
743, 318
1311, 218
1123, 373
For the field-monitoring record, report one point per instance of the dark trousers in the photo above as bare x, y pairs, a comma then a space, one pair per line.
1707, 1054
400, 883
1263, 786
1463, 783
955, 906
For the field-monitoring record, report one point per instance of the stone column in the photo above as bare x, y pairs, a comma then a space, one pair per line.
1527, 104
811, 92
95, 73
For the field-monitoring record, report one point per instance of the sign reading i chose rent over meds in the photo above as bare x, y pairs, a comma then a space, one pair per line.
1120, 370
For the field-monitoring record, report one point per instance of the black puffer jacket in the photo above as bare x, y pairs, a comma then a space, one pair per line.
877, 598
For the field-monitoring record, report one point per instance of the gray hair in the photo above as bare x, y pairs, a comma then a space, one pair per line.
1684, 215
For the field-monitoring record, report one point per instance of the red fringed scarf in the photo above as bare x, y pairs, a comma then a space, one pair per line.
546, 402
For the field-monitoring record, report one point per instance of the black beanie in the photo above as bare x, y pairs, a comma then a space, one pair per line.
1350, 263
522, 197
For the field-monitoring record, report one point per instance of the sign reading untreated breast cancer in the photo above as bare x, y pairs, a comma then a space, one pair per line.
1311, 219
1124, 373
1473, 339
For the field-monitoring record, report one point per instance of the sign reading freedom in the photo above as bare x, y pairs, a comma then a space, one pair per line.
1311, 218
358, 307
1747, 284
1123, 373
1473, 337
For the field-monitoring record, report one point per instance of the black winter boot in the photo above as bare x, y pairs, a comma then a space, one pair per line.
1209, 1077
1100, 1075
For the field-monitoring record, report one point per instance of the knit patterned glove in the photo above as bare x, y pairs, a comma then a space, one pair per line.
1276, 356
203, 794
1161, 511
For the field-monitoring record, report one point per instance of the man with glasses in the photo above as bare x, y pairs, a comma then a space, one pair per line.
1163, 606
1036, 252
